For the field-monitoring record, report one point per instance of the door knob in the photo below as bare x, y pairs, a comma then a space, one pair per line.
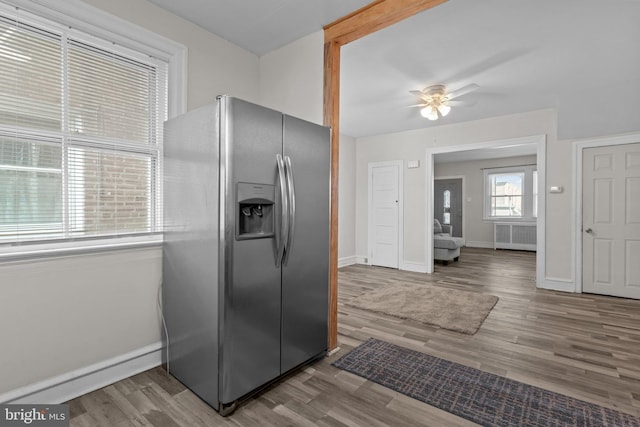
588, 230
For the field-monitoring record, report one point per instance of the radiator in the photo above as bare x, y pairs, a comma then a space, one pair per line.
514, 235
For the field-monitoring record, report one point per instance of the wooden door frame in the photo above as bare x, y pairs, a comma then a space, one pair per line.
578, 154
375, 16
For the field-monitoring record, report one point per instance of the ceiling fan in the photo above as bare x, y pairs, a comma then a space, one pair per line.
436, 102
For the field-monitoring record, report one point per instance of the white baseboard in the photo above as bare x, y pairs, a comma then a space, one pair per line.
471, 244
404, 265
72, 384
554, 284
361, 260
349, 260
414, 267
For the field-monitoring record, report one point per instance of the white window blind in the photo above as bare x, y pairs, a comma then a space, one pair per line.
80, 135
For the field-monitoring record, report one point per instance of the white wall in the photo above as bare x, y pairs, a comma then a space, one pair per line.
60, 315
412, 145
291, 78
347, 202
216, 66
477, 232
577, 118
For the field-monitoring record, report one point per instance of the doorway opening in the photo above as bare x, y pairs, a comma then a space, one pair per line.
532, 145
448, 205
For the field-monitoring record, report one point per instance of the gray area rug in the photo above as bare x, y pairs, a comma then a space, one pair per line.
459, 311
478, 396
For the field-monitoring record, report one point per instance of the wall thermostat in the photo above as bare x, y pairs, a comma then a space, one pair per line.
555, 189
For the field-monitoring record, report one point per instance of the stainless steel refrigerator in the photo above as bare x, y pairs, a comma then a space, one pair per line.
246, 247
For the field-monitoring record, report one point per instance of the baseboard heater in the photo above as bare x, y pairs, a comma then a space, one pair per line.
514, 235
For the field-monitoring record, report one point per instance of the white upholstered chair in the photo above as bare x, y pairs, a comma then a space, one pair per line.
445, 247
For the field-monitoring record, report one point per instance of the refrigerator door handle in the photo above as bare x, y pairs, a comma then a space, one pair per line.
284, 220
292, 209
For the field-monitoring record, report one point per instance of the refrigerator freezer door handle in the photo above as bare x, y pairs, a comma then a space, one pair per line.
292, 209
284, 220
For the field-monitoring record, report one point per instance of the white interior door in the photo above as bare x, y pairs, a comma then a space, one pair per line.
611, 220
384, 213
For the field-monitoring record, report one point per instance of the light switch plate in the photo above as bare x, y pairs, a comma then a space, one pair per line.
412, 164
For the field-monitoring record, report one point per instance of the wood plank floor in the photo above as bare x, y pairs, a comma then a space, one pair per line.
585, 346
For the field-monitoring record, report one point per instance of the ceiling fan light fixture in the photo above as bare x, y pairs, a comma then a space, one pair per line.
429, 112
444, 109
434, 100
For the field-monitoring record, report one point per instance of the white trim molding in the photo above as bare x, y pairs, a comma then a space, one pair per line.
46, 250
361, 259
472, 244
554, 284
415, 267
540, 141
578, 152
346, 261
70, 385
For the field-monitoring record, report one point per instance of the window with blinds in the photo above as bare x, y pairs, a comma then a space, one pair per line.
80, 135
511, 193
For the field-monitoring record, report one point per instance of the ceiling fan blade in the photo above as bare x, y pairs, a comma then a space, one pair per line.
417, 105
417, 92
462, 91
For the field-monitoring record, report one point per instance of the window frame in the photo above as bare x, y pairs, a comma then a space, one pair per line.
90, 23
528, 193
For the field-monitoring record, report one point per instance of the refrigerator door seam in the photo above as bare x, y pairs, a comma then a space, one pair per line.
224, 267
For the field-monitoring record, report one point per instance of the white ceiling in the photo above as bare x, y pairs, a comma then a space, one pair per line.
524, 54
261, 26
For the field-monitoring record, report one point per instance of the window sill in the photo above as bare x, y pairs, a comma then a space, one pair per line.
26, 252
